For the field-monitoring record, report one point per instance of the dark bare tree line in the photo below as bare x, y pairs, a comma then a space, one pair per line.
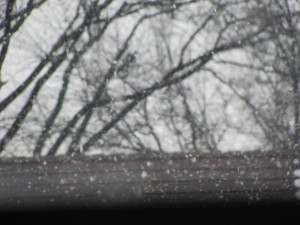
151, 76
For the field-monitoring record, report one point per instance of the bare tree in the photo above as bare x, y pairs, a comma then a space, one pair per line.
143, 75
268, 84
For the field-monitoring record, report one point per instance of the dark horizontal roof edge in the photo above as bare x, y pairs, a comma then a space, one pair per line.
158, 156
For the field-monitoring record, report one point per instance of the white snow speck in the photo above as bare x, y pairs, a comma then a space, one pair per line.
296, 162
298, 194
170, 162
194, 159
144, 174
62, 181
149, 163
296, 173
297, 183
278, 164
138, 191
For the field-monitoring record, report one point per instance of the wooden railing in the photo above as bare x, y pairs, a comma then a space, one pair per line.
148, 179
